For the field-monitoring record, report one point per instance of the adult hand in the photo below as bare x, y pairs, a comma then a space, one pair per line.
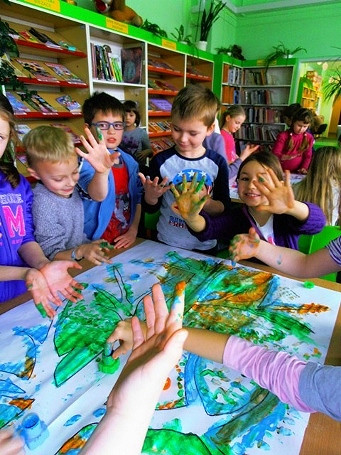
59, 280
244, 246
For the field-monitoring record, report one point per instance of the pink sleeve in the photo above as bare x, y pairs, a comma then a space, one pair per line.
276, 371
279, 147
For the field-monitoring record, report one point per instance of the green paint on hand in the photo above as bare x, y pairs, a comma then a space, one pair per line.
106, 245
200, 185
99, 134
41, 310
308, 284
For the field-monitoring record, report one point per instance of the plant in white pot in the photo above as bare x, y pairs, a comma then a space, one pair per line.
208, 18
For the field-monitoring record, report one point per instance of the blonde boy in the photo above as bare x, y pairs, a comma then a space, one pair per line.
193, 116
57, 206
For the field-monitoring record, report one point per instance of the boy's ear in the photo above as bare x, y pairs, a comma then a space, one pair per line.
33, 173
210, 130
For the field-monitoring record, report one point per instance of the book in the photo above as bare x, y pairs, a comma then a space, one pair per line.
69, 103
64, 73
18, 106
37, 70
37, 102
159, 64
160, 104
27, 36
21, 130
131, 58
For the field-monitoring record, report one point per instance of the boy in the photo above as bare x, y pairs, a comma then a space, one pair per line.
57, 207
116, 217
193, 115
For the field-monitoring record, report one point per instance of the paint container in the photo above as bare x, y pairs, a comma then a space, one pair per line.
33, 430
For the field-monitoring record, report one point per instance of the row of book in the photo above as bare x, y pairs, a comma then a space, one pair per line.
24, 103
267, 133
254, 77
232, 75
105, 65
159, 127
158, 84
22, 129
263, 115
161, 143
43, 71
158, 63
255, 97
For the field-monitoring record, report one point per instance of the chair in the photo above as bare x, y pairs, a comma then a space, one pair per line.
150, 222
309, 243
320, 130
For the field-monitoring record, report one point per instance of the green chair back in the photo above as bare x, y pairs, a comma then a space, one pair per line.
309, 243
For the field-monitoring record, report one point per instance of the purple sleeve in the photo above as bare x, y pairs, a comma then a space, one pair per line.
234, 167
28, 197
277, 371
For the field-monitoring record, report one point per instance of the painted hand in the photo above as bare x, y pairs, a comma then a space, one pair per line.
279, 194
96, 252
189, 199
41, 294
152, 358
97, 153
244, 246
59, 280
125, 240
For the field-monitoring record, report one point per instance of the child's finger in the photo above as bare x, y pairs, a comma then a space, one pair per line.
174, 191
194, 181
200, 185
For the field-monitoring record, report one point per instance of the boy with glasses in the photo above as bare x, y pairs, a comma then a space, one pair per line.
113, 210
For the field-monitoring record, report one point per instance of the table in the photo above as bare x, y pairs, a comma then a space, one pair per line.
294, 178
323, 434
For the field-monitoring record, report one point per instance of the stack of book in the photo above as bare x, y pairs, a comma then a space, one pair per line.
158, 84
159, 127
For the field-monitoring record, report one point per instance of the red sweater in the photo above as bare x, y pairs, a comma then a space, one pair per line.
295, 159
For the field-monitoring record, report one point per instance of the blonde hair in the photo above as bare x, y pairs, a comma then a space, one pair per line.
195, 102
323, 173
48, 143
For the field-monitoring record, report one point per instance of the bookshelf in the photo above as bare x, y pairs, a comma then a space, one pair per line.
309, 90
199, 71
262, 92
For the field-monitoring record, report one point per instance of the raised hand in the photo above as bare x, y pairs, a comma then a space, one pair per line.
59, 280
153, 356
278, 193
189, 200
97, 153
153, 189
244, 246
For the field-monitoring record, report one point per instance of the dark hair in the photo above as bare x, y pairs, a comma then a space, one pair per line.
101, 102
196, 101
265, 159
301, 115
290, 110
233, 111
131, 106
5, 104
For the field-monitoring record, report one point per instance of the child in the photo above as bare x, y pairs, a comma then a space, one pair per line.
275, 214
58, 212
135, 139
117, 216
308, 386
21, 258
322, 184
294, 146
193, 114
231, 121
288, 112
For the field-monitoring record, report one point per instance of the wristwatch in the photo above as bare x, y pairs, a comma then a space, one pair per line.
73, 255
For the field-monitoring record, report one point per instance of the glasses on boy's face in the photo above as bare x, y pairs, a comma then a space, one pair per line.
104, 126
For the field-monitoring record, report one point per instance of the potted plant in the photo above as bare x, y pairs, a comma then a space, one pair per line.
280, 51
332, 89
153, 28
209, 17
181, 37
234, 51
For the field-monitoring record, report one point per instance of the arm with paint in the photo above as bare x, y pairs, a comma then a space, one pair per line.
134, 396
94, 252
286, 260
189, 201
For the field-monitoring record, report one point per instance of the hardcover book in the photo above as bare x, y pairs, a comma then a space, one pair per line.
70, 104
18, 106
160, 104
37, 70
132, 64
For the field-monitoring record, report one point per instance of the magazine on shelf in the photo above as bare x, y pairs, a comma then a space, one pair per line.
18, 106
64, 73
21, 130
132, 64
159, 64
69, 103
160, 104
37, 70
67, 129
37, 102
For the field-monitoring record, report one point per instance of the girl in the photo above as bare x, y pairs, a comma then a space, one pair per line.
21, 258
231, 121
275, 214
294, 146
322, 185
135, 140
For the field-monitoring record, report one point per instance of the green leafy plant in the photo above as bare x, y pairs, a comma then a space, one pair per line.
332, 89
154, 28
233, 50
280, 51
180, 35
8, 48
209, 17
